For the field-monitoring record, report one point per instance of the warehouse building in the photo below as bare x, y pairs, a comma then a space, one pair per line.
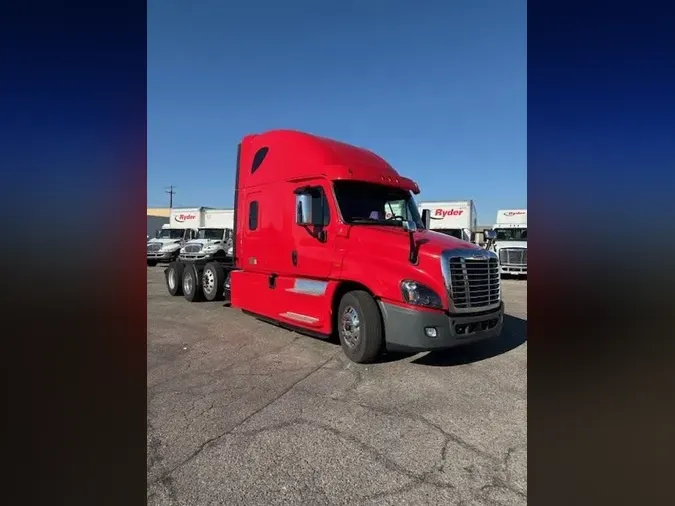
156, 218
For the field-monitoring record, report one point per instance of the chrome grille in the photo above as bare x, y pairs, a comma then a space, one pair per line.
473, 281
513, 256
193, 248
155, 246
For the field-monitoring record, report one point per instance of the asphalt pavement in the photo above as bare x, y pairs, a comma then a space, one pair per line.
244, 413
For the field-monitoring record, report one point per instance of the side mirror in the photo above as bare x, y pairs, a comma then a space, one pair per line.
490, 235
409, 226
426, 218
303, 209
156, 234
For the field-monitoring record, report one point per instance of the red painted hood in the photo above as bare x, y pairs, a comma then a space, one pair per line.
395, 238
378, 256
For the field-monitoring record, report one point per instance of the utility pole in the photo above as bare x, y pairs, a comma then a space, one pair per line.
171, 191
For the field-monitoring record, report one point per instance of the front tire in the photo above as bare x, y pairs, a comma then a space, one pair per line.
359, 326
192, 289
152, 263
213, 281
174, 278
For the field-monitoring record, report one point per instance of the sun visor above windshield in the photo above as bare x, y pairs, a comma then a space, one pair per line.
372, 175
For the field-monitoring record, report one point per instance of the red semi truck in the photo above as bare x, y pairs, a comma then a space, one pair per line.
329, 241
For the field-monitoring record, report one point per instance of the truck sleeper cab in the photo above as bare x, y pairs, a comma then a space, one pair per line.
314, 251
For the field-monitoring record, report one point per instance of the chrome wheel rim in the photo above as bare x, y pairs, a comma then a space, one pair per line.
188, 283
208, 281
172, 279
350, 327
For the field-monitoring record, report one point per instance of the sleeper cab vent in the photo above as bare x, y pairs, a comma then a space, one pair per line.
258, 158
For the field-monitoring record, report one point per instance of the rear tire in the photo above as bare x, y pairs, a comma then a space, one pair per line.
359, 326
213, 281
192, 288
174, 278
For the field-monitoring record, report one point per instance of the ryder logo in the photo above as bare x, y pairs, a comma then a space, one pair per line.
514, 213
181, 218
439, 214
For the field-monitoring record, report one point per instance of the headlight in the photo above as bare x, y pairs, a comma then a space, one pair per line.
420, 295
209, 249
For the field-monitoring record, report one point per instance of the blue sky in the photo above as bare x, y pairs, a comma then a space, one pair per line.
438, 88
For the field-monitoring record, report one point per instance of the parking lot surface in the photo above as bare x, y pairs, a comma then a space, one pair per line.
244, 413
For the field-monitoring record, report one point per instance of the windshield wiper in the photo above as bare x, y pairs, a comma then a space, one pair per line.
371, 221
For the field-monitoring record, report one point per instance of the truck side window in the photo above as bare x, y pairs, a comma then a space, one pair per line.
258, 158
320, 207
253, 215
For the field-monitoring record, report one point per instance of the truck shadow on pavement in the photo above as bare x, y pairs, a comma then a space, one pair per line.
513, 335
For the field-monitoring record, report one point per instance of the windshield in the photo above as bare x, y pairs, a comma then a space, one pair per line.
171, 233
368, 203
511, 234
210, 233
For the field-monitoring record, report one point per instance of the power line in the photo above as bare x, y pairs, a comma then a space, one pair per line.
171, 191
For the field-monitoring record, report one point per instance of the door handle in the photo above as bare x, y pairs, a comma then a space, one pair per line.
294, 258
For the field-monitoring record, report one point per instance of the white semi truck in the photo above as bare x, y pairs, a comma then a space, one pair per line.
457, 218
510, 241
182, 227
213, 240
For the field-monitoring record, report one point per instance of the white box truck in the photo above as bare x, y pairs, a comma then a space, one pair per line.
457, 218
213, 240
182, 227
510, 241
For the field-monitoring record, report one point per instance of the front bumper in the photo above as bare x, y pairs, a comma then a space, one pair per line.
512, 269
405, 327
159, 256
195, 257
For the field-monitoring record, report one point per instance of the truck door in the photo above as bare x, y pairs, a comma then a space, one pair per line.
313, 244
251, 247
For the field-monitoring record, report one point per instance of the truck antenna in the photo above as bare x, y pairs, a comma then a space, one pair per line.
171, 190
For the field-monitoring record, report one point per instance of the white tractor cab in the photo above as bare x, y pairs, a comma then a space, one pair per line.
510, 241
214, 240
182, 227
209, 244
457, 219
165, 247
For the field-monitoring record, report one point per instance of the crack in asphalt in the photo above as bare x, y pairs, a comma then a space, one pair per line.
377, 456
416, 480
209, 441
